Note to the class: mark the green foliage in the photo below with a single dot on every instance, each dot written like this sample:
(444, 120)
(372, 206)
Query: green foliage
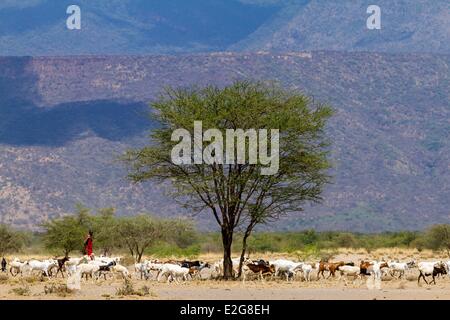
(64, 235)
(167, 250)
(139, 232)
(438, 238)
(104, 225)
(181, 232)
(11, 240)
(238, 194)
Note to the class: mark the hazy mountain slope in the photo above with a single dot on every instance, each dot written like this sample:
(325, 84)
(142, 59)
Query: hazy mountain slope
(64, 121)
(38, 27)
(406, 26)
(127, 27)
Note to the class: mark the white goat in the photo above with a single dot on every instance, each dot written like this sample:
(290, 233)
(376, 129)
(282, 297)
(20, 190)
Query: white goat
(121, 270)
(431, 269)
(349, 271)
(306, 270)
(218, 266)
(88, 269)
(17, 266)
(286, 266)
(173, 272)
(399, 267)
(72, 263)
(42, 266)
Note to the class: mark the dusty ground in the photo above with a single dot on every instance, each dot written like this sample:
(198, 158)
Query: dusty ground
(31, 287)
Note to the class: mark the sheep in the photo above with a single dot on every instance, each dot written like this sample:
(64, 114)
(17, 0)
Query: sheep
(431, 269)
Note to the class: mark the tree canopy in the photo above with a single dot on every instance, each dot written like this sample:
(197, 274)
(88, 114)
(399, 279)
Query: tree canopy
(236, 193)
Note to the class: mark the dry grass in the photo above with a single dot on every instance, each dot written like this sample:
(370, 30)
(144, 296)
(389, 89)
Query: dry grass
(23, 290)
(112, 288)
(60, 290)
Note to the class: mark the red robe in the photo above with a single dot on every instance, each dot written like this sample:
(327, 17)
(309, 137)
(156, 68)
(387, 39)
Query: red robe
(88, 247)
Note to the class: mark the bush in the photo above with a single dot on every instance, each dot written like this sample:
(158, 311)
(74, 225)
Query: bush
(60, 290)
(127, 289)
(24, 290)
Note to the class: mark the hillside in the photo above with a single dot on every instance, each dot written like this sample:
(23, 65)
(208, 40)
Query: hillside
(123, 27)
(64, 121)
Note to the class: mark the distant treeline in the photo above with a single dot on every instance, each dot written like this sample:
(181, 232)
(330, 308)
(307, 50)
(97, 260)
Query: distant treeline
(146, 234)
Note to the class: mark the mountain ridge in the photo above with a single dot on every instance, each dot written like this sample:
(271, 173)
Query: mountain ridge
(38, 27)
(390, 134)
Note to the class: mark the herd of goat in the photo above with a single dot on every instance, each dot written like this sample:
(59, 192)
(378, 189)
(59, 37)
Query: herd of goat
(185, 270)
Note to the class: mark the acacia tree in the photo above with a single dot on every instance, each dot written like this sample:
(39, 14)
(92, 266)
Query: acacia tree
(104, 225)
(65, 234)
(140, 232)
(10, 240)
(437, 237)
(236, 193)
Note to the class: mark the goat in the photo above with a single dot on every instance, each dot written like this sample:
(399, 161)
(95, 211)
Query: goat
(17, 266)
(143, 269)
(72, 264)
(103, 269)
(4, 263)
(306, 270)
(347, 271)
(189, 264)
(284, 266)
(42, 266)
(431, 269)
(194, 271)
(328, 266)
(260, 269)
(87, 269)
(61, 266)
(218, 266)
(173, 272)
(400, 267)
(117, 268)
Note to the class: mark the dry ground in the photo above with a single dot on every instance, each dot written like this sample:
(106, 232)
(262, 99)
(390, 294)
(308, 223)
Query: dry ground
(31, 287)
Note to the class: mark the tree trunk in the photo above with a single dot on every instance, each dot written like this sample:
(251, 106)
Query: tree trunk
(139, 256)
(227, 240)
(244, 249)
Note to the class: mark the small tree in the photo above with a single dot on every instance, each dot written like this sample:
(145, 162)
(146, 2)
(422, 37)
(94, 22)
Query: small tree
(65, 234)
(140, 232)
(182, 232)
(438, 238)
(104, 225)
(10, 240)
